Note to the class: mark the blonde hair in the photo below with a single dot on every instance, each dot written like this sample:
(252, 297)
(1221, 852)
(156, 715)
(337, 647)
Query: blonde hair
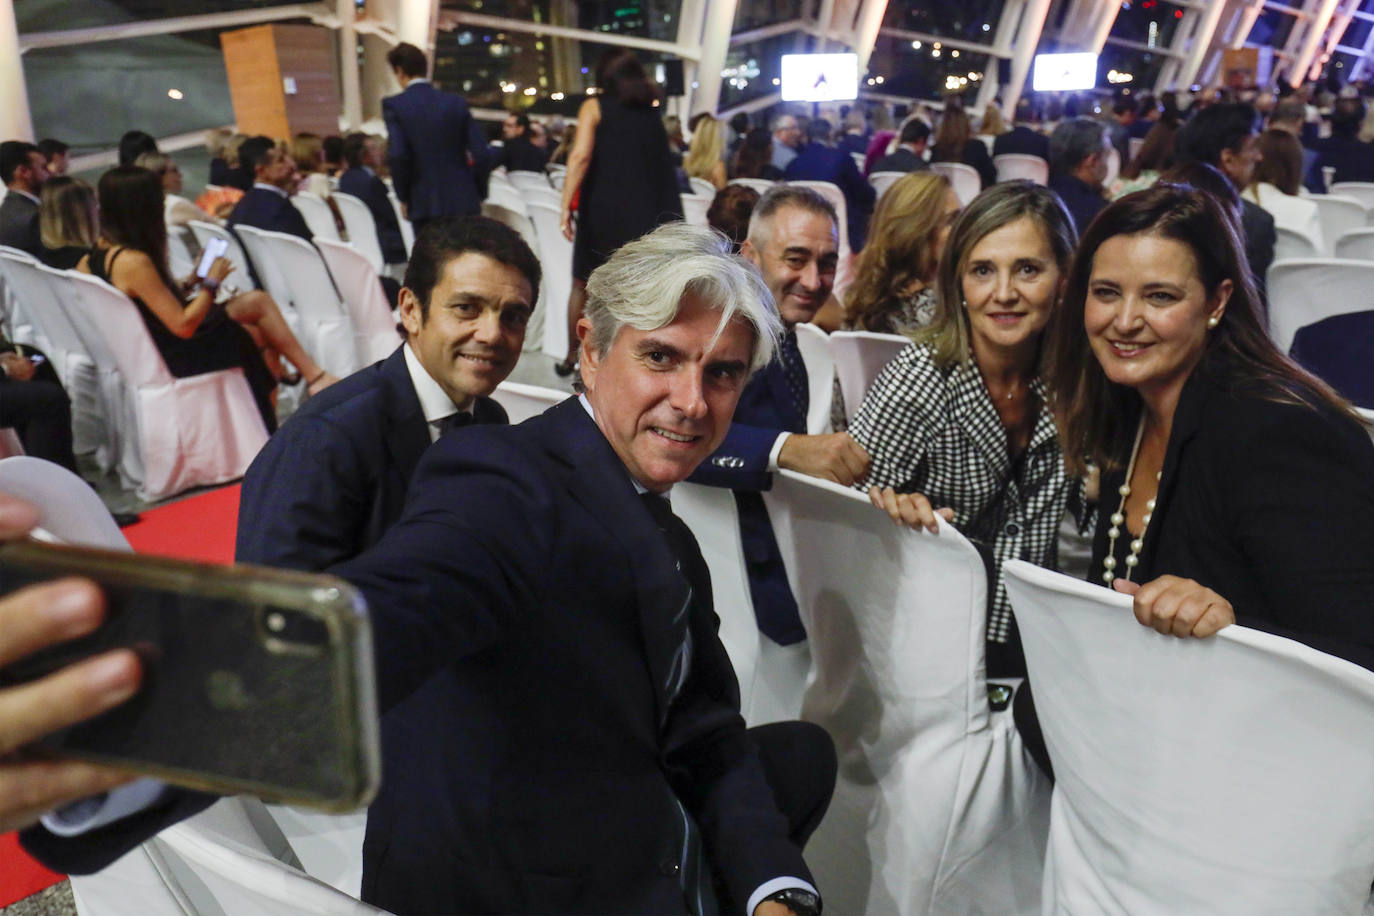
(308, 151)
(900, 250)
(993, 124)
(67, 213)
(216, 139)
(707, 144)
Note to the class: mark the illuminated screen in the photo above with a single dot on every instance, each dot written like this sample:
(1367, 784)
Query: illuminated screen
(820, 77)
(1064, 71)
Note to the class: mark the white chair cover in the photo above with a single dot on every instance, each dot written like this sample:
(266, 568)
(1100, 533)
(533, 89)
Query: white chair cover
(540, 193)
(1224, 775)
(762, 185)
(14, 324)
(317, 214)
(702, 188)
(524, 401)
(814, 345)
(407, 230)
(1012, 166)
(859, 357)
(239, 277)
(859, 159)
(525, 180)
(1113, 166)
(1292, 244)
(555, 257)
(937, 809)
(69, 510)
(1304, 292)
(1356, 245)
(175, 433)
(507, 208)
(1339, 214)
(374, 326)
(270, 274)
(180, 258)
(504, 194)
(964, 178)
(361, 228)
(831, 192)
(10, 446)
(324, 326)
(1363, 191)
(881, 181)
(1133, 146)
(694, 208)
(328, 846)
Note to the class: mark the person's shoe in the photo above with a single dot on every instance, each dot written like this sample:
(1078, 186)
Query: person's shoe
(125, 519)
(565, 368)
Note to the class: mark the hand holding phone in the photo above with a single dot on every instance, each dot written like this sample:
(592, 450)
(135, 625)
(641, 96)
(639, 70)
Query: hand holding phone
(214, 249)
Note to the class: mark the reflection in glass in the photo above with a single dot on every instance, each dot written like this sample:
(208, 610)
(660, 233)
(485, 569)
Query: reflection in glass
(928, 72)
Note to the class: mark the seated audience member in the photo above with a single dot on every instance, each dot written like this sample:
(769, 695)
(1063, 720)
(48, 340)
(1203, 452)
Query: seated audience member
(1276, 182)
(1156, 154)
(54, 155)
(1023, 138)
(1079, 148)
(854, 139)
(730, 211)
(539, 137)
(704, 155)
(787, 137)
(335, 477)
(361, 156)
(820, 161)
(133, 144)
(1125, 114)
(1290, 116)
(959, 423)
(992, 123)
(331, 148)
(501, 680)
(23, 171)
(1235, 468)
(1226, 135)
(267, 205)
(194, 336)
(753, 159)
(518, 152)
(909, 156)
(307, 151)
(954, 142)
(216, 141)
(1149, 112)
(177, 210)
(68, 221)
(239, 176)
(34, 404)
(1352, 158)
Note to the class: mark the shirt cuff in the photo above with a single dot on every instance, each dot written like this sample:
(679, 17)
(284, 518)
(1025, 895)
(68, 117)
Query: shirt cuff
(773, 463)
(99, 810)
(768, 888)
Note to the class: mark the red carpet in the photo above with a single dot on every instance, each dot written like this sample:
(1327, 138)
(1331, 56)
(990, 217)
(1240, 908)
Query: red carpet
(199, 528)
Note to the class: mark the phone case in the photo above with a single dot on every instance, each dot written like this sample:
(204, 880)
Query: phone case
(256, 680)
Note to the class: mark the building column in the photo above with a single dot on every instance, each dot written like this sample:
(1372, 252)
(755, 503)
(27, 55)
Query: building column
(1316, 28)
(715, 44)
(1102, 26)
(415, 23)
(870, 20)
(15, 121)
(350, 84)
(1022, 44)
(691, 19)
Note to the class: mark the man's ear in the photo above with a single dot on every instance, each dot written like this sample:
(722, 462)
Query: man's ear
(590, 360)
(409, 306)
(749, 252)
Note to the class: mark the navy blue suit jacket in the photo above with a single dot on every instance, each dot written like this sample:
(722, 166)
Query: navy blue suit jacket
(1352, 159)
(817, 162)
(268, 210)
(1082, 200)
(900, 160)
(1338, 349)
(19, 224)
(371, 190)
(1023, 140)
(765, 411)
(334, 478)
(429, 140)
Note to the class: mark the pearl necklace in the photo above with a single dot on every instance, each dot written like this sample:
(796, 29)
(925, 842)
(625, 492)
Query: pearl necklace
(1118, 518)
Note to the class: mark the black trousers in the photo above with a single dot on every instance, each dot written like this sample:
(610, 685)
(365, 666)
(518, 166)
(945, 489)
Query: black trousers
(800, 764)
(39, 410)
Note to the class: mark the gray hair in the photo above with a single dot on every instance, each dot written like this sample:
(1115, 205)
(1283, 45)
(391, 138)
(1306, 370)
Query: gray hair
(1073, 141)
(644, 282)
(781, 120)
(780, 196)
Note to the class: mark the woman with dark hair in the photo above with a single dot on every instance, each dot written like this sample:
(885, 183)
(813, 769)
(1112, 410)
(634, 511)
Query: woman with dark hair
(1239, 486)
(192, 333)
(754, 158)
(1156, 155)
(955, 142)
(730, 211)
(620, 174)
(1276, 183)
(960, 419)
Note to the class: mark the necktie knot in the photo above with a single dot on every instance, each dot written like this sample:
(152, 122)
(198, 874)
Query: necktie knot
(453, 421)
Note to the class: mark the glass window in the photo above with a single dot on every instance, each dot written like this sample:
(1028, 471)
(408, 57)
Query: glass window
(752, 69)
(753, 14)
(926, 72)
(1147, 22)
(970, 20)
(1143, 67)
(1271, 28)
(80, 14)
(1357, 33)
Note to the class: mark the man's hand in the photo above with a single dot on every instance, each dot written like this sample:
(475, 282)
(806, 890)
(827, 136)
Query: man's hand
(832, 456)
(910, 509)
(1178, 607)
(16, 367)
(30, 619)
(773, 908)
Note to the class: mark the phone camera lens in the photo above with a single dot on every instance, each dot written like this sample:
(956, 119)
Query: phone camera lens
(293, 629)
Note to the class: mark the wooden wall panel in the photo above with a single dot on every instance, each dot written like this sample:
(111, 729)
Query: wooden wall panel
(260, 58)
(309, 55)
(250, 58)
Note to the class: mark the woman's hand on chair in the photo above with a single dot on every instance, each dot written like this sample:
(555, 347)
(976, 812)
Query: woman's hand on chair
(1179, 607)
(910, 509)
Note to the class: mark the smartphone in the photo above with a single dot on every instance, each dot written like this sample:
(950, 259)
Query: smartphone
(215, 248)
(256, 680)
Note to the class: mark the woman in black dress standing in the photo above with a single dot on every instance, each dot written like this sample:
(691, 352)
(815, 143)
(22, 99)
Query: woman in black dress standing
(620, 175)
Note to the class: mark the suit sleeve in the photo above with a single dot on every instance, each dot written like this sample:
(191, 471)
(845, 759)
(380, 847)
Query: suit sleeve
(294, 223)
(397, 152)
(741, 462)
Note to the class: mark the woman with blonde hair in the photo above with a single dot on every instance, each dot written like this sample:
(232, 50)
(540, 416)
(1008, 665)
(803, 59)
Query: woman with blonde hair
(68, 221)
(308, 151)
(703, 157)
(177, 210)
(993, 124)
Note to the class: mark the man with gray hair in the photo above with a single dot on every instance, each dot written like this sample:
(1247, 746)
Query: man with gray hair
(1079, 150)
(786, 137)
(793, 240)
(561, 726)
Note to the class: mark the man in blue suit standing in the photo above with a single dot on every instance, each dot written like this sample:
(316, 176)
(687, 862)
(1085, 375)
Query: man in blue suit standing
(820, 161)
(434, 159)
(335, 476)
(792, 240)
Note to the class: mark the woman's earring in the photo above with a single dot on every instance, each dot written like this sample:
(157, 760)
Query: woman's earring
(1213, 322)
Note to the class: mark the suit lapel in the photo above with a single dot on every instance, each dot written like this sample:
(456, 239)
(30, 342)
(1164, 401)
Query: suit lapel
(409, 434)
(1187, 422)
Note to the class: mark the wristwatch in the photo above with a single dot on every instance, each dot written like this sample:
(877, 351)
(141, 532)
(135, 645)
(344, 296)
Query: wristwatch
(798, 900)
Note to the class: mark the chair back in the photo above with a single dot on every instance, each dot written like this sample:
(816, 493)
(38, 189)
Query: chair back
(859, 357)
(1013, 166)
(504, 194)
(762, 185)
(374, 328)
(1363, 191)
(1133, 146)
(859, 160)
(936, 809)
(541, 193)
(317, 214)
(881, 181)
(832, 193)
(180, 260)
(1291, 244)
(1195, 775)
(1113, 166)
(268, 270)
(203, 231)
(702, 188)
(524, 181)
(814, 345)
(325, 326)
(361, 228)
(111, 328)
(69, 510)
(407, 230)
(964, 179)
(694, 208)
(524, 401)
(555, 257)
(1338, 215)
(1303, 292)
(36, 298)
(1356, 245)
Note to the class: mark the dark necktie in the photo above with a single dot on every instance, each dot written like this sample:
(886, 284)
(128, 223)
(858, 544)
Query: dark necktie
(453, 421)
(794, 371)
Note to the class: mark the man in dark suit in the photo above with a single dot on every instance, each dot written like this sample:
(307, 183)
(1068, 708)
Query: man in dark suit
(430, 144)
(1078, 164)
(267, 205)
(1344, 151)
(792, 240)
(23, 172)
(335, 476)
(820, 161)
(1023, 138)
(33, 402)
(518, 152)
(909, 156)
(360, 179)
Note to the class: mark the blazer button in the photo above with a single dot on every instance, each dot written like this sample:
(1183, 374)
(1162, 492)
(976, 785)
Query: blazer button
(1012, 529)
(668, 867)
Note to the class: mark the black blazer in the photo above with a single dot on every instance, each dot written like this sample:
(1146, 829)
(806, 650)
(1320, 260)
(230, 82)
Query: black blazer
(371, 190)
(19, 224)
(334, 478)
(1269, 505)
(270, 211)
(428, 147)
(976, 155)
(1023, 140)
(901, 160)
